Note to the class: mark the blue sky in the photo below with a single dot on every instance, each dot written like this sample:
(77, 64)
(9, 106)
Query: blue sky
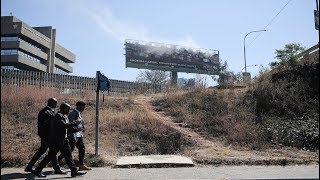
(95, 29)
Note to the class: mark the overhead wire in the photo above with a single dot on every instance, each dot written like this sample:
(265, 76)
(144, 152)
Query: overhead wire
(270, 22)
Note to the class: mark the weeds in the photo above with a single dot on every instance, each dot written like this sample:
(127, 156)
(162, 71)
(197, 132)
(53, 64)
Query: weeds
(279, 109)
(286, 106)
(125, 128)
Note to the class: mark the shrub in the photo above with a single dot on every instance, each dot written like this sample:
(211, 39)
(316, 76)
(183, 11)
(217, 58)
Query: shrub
(286, 105)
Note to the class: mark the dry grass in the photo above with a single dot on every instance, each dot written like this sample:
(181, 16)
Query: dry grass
(235, 137)
(216, 113)
(210, 111)
(128, 129)
(125, 128)
(19, 108)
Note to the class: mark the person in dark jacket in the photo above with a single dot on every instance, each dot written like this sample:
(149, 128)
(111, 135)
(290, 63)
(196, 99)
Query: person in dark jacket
(44, 118)
(58, 141)
(76, 136)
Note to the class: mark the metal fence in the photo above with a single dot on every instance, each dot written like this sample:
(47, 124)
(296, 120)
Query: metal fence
(72, 84)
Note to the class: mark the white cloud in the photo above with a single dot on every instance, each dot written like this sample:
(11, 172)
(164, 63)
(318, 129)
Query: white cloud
(121, 29)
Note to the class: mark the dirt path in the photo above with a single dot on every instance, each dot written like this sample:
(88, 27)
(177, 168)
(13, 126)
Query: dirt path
(214, 152)
(187, 132)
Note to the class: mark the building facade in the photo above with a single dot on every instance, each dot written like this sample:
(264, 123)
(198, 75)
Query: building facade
(32, 48)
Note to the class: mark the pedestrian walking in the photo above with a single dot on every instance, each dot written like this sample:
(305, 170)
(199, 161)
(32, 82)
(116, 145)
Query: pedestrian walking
(76, 136)
(58, 141)
(45, 116)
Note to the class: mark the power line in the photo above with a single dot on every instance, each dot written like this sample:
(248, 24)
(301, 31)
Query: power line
(270, 21)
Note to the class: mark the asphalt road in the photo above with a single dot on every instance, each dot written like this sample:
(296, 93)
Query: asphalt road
(221, 172)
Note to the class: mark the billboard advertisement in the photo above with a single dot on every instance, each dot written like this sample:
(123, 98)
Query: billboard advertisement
(167, 57)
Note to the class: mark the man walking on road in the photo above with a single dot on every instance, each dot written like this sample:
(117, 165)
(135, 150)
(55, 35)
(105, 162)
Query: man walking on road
(76, 136)
(45, 116)
(58, 141)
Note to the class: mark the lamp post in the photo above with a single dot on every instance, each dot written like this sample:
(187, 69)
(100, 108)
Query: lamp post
(249, 66)
(245, 75)
(244, 48)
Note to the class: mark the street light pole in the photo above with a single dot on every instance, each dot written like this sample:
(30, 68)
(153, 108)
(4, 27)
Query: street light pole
(249, 66)
(244, 48)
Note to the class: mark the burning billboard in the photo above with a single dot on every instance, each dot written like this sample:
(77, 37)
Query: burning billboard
(167, 57)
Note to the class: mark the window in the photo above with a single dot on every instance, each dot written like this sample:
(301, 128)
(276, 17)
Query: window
(18, 39)
(8, 67)
(60, 71)
(15, 52)
(9, 38)
(9, 52)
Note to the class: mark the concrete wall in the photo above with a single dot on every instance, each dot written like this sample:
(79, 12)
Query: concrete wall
(70, 57)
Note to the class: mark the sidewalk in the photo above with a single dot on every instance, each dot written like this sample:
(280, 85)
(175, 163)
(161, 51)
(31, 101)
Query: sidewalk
(222, 172)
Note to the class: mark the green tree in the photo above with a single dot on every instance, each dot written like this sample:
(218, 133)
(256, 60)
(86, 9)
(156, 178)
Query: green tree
(287, 55)
(225, 76)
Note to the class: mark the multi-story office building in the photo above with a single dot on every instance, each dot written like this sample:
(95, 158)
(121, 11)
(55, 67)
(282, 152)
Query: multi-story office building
(32, 48)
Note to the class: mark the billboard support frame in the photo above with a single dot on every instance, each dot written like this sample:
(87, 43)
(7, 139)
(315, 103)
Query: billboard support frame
(174, 78)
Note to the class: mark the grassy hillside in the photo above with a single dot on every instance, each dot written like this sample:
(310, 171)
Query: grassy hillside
(125, 128)
(239, 125)
(285, 103)
(280, 109)
(213, 113)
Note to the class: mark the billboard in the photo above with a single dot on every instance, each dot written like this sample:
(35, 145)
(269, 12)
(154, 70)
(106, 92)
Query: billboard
(167, 57)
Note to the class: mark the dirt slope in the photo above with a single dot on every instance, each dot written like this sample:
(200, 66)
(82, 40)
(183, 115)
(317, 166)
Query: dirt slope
(213, 151)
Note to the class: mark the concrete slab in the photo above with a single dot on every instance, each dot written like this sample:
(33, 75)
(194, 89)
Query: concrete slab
(154, 161)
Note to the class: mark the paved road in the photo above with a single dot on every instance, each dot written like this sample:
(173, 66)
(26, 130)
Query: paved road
(223, 172)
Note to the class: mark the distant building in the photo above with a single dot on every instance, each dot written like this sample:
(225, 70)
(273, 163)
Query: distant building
(32, 48)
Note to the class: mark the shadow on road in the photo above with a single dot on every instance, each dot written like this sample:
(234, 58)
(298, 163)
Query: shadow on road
(27, 176)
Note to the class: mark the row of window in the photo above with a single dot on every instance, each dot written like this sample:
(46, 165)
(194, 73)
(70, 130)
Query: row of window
(19, 39)
(9, 67)
(9, 38)
(57, 70)
(33, 46)
(60, 71)
(16, 52)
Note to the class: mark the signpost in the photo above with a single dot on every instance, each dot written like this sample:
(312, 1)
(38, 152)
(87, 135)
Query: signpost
(103, 84)
(97, 114)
